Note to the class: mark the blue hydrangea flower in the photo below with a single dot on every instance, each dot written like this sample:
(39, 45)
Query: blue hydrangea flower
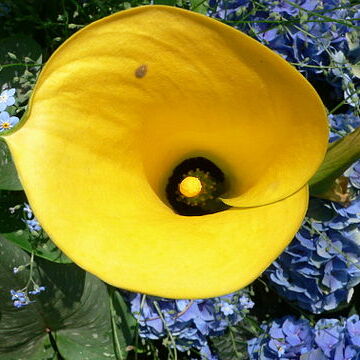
(7, 99)
(353, 330)
(355, 175)
(190, 322)
(6, 121)
(317, 47)
(321, 266)
(285, 338)
(328, 334)
(289, 338)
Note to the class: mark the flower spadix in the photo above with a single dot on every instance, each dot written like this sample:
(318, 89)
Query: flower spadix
(130, 97)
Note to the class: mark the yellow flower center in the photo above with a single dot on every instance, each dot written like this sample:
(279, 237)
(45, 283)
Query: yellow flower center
(190, 186)
(5, 125)
(3, 97)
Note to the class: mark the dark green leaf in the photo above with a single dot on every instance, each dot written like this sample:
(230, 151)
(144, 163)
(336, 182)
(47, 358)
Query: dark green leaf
(45, 249)
(74, 309)
(340, 155)
(124, 320)
(9, 179)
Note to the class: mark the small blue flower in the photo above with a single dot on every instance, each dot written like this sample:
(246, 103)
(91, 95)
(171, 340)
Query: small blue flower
(19, 298)
(18, 269)
(37, 290)
(33, 225)
(227, 309)
(7, 99)
(30, 220)
(246, 302)
(6, 121)
(28, 211)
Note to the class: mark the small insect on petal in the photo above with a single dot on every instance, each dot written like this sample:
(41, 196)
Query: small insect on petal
(141, 71)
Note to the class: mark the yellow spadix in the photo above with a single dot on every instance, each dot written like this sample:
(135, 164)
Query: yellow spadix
(191, 186)
(125, 100)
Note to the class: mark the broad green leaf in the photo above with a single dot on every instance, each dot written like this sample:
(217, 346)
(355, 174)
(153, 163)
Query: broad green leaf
(125, 320)
(9, 179)
(45, 249)
(340, 155)
(74, 309)
(200, 6)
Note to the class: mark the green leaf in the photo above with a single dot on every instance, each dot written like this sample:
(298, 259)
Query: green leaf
(233, 344)
(121, 319)
(340, 155)
(9, 179)
(230, 346)
(45, 249)
(74, 309)
(200, 6)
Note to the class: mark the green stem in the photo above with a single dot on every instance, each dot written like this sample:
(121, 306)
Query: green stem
(340, 252)
(343, 102)
(322, 16)
(277, 22)
(30, 270)
(4, 66)
(118, 351)
(318, 66)
(234, 343)
(167, 329)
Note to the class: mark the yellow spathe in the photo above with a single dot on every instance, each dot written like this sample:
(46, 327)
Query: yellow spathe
(124, 101)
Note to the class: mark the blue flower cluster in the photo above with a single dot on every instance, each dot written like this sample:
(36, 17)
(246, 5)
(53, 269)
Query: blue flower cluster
(30, 220)
(317, 36)
(21, 298)
(7, 99)
(321, 266)
(189, 322)
(291, 338)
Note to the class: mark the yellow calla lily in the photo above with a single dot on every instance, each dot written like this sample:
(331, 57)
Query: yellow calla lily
(126, 100)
